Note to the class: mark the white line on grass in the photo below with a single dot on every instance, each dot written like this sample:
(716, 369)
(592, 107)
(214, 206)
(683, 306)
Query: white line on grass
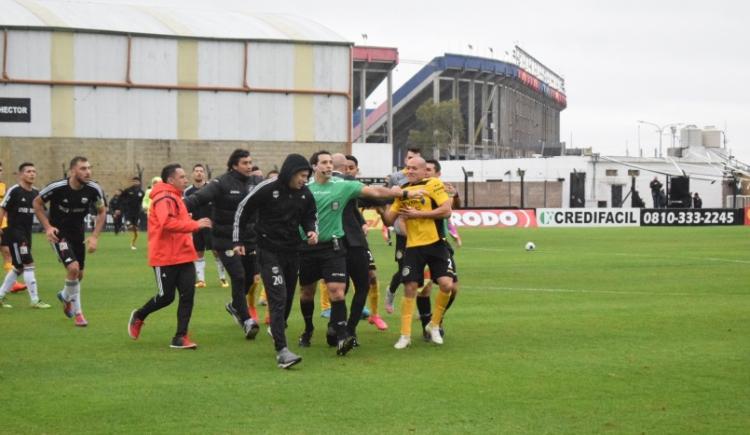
(620, 254)
(609, 292)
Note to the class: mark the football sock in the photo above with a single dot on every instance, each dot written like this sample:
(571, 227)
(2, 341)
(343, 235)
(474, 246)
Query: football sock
(441, 301)
(325, 302)
(30, 279)
(10, 279)
(373, 296)
(307, 308)
(220, 268)
(425, 310)
(134, 238)
(200, 269)
(407, 310)
(72, 293)
(338, 318)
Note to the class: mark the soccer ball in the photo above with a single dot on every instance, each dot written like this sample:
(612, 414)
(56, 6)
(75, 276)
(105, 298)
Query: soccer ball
(530, 246)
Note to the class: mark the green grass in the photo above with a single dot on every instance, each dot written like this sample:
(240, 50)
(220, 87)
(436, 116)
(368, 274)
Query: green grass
(637, 330)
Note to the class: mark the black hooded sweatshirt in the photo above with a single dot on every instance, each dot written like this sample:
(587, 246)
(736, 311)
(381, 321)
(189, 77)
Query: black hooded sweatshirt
(280, 210)
(225, 193)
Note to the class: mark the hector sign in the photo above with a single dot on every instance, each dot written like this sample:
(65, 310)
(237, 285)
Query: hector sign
(15, 110)
(494, 218)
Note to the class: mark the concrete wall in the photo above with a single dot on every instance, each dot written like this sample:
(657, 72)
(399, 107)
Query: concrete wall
(505, 194)
(114, 160)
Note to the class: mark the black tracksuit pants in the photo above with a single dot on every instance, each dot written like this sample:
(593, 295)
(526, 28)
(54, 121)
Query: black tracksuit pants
(279, 272)
(241, 270)
(179, 277)
(358, 269)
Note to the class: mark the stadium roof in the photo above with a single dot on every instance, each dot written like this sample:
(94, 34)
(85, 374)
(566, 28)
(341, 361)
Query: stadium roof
(203, 20)
(378, 62)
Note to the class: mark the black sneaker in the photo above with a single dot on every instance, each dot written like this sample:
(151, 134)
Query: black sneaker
(331, 337)
(251, 329)
(285, 358)
(232, 312)
(344, 346)
(356, 342)
(304, 339)
(183, 342)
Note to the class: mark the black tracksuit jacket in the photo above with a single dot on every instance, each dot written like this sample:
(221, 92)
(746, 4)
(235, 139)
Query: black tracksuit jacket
(278, 210)
(225, 192)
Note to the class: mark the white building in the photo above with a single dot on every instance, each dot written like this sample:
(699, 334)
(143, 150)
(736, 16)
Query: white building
(153, 83)
(604, 181)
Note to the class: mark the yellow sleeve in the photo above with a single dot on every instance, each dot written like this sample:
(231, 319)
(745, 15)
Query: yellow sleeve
(396, 206)
(437, 192)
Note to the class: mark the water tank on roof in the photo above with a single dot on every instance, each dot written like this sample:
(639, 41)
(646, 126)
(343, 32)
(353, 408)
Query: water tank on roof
(711, 137)
(691, 137)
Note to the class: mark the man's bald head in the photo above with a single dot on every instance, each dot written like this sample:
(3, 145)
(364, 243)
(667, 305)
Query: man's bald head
(339, 162)
(416, 169)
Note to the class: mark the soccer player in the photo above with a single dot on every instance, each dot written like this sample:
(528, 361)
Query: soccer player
(171, 254)
(281, 207)
(425, 245)
(432, 169)
(225, 194)
(146, 204)
(18, 206)
(70, 201)
(116, 211)
(351, 169)
(202, 238)
(7, 261)
(398, 178)
(131, 201)
(327, 260)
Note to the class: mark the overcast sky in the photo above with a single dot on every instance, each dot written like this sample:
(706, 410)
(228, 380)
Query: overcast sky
(660, 61)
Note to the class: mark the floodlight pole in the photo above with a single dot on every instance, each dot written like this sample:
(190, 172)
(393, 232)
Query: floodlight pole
(660, 129)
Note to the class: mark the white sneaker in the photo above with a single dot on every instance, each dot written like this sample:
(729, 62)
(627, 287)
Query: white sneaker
(434, 332)
(403, 342)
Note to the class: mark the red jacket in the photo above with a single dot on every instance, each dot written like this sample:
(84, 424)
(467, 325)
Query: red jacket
(170, 228)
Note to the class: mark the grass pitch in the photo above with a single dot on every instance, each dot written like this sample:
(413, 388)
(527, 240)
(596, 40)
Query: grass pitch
(632, 330)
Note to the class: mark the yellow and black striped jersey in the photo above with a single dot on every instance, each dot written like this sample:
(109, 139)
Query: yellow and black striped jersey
(423, 231)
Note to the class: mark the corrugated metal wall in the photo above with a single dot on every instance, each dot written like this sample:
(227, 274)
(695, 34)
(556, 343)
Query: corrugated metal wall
(108, 112)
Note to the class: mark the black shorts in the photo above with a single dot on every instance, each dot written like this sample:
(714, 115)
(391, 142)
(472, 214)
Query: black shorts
(19, 245)
(70, 252)
(436, 256)
(400, 248)
(202, 240)
(132, 220)
(325, 264)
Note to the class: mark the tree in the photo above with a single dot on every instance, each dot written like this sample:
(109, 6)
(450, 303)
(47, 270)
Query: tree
(438, 126)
